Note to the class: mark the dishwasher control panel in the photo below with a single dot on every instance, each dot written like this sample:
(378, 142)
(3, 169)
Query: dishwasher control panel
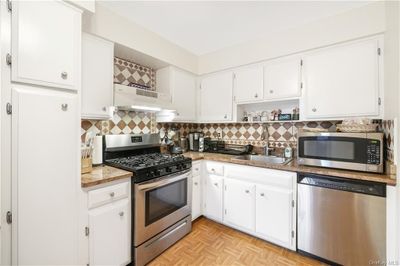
(337, 183)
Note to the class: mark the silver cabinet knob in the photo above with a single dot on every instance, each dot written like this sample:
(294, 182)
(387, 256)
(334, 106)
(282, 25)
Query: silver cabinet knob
(212, 170)
(121, 214)
(314, 109)
(104, 109)
(64, 106)
(216, 184)
(225, 116)
(262, 194)
(247, 191)
(271, 91)
(112, 194)
(256, 95)
(195, 183)
(197, 169)
(177, 114)
(64, 75)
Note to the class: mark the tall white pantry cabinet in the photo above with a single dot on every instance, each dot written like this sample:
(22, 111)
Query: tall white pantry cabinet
(44, 61)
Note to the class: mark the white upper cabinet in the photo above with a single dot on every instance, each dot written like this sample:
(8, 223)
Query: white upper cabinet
(249, 84)
(216, 98)
(282, 78)
(182, 87)
(239, 197)
(97, 77)
(342, 81)
(46, 43)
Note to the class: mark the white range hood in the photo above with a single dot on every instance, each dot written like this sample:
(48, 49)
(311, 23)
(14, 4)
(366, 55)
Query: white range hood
(132, 98)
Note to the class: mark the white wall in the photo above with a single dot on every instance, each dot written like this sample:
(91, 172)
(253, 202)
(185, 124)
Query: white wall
(115, 28)
(360, 22)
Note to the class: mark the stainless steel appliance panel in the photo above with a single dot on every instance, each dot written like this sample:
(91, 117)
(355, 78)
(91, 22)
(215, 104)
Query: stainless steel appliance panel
(159, 203)
(352, 151)
(157, 244)
(344, 227)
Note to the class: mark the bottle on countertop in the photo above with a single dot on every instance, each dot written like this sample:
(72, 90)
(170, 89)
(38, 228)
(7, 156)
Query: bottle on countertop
(288, 152)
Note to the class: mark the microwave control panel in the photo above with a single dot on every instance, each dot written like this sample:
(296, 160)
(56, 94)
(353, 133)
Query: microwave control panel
(373, 151)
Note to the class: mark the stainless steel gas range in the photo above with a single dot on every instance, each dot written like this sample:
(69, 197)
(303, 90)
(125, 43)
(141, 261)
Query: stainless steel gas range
(161, 192)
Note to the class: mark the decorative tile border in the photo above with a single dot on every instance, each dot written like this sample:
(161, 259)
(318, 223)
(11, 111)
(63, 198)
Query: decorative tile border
(127, 72)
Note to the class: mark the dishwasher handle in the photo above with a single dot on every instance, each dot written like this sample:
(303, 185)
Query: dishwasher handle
(344, 184)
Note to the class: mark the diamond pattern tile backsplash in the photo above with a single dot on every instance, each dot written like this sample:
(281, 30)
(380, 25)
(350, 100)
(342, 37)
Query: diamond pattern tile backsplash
(280, 134)
(123, 122)
(127, 73)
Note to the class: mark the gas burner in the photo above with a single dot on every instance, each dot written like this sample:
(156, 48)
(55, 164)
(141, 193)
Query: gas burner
(152, 165)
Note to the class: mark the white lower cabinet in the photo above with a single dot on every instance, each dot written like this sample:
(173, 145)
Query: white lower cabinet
(109, 224)
(196, 197)
(274, 212)
(213, 197)
(258, 201)
(109, 239)
(239, 203)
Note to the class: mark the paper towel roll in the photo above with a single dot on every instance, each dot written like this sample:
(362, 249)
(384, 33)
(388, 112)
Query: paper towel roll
(97, 150)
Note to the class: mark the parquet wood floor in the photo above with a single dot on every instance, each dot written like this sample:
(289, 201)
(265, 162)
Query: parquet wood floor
(211, 243)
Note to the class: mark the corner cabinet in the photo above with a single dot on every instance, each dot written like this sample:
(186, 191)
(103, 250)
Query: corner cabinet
(216, 98)
(46, 43)
(97, 77)
(343, 80)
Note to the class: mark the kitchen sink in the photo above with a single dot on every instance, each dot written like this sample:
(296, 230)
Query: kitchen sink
(266, 159)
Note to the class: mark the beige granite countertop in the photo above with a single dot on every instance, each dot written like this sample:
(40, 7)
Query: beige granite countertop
(294, 167)
(103, 174)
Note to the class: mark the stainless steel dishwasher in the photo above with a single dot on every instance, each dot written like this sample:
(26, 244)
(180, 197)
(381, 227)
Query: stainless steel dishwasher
(340, 220)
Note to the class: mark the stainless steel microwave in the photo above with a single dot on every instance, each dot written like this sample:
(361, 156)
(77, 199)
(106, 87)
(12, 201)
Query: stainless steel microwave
(352, 151)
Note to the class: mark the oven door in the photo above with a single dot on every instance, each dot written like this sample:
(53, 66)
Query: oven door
(160, 203)
(339, 150)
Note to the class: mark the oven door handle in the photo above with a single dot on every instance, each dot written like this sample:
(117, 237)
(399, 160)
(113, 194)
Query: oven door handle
(161, 183)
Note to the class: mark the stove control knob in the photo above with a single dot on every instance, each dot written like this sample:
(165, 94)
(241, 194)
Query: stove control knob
(157, 172)
(168, 169)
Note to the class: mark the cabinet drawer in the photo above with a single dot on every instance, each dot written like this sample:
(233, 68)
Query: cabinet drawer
(105, 195)
(196, 169)
(215, 168)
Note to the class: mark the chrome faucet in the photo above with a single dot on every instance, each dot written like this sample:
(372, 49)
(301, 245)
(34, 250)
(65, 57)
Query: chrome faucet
(267, 150)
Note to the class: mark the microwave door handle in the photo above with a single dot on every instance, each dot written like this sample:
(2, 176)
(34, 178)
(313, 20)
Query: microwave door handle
(161, 183)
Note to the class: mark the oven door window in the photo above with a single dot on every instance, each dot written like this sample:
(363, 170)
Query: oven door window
(334, 149)
(164, 200)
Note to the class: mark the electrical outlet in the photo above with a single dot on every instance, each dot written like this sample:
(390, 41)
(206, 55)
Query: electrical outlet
(219, 135)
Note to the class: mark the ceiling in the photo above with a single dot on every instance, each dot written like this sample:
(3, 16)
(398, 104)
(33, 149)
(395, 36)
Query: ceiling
(202, 27)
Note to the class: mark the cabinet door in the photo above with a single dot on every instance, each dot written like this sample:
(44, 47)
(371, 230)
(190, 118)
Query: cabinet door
(274, 214)
(110, 234)
(282, 78)
(342, 81)
(46, 43)
(216, 97)
(213, 197)
(45, 181)
(239, 203)
(97, 77)
(196, 197)
(249, 84)
(184, 95)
